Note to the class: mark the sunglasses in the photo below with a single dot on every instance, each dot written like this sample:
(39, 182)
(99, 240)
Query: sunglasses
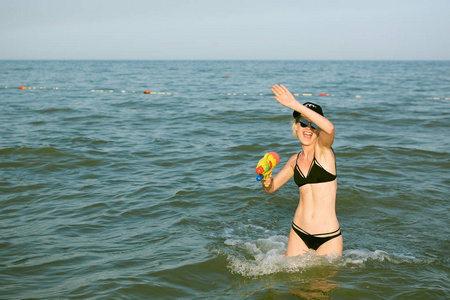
(305, 123)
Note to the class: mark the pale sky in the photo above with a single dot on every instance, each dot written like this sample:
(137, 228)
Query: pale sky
(226, 29)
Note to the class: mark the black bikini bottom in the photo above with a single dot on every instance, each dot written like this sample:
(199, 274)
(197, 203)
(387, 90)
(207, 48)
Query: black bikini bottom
(314, 241)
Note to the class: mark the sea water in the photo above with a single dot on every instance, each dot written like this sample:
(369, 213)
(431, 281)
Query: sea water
(107, 192)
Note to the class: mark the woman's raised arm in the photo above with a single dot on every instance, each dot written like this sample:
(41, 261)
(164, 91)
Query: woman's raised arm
(285, 98)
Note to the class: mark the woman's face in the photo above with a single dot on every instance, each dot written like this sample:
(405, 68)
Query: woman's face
(305, 132)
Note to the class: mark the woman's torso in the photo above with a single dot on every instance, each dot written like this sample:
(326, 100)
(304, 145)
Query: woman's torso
(318, 185)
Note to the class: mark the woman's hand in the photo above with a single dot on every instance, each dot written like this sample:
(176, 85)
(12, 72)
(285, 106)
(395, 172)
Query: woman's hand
(266, 183)
(283, 96)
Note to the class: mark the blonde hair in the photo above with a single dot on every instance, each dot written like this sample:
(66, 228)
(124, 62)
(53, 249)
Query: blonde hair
(295, 121)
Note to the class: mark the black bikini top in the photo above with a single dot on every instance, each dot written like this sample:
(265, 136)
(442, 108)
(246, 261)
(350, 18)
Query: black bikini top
(316, 174)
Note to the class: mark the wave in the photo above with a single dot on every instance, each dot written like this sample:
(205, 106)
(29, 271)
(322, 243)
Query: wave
(33, 151)
(55, 110)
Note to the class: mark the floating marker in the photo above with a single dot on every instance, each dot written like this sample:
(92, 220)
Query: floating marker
(147, 92)
(323, 94)
(358, 96)
(306, 94)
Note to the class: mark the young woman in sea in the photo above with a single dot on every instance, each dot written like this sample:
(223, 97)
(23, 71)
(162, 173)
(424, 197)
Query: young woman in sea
(315, 225)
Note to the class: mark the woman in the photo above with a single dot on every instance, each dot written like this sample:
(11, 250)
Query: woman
(315, 225)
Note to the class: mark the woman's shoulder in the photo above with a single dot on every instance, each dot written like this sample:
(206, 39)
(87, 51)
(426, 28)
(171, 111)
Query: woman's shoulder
(293, 160)
(325, 154)
(295, 155)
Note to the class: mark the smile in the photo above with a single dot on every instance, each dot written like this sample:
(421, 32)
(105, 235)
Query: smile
(307, 134)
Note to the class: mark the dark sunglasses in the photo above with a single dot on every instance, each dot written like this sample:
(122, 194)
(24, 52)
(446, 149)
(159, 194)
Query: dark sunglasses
(305, 123)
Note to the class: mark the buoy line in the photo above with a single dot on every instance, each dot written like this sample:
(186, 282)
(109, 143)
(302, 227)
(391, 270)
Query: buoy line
(148, 92)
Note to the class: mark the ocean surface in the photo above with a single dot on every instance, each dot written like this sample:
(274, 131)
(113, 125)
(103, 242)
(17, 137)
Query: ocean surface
(110, 193)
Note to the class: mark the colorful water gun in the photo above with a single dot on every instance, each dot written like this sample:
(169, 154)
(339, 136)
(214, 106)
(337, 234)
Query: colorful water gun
(266, 165)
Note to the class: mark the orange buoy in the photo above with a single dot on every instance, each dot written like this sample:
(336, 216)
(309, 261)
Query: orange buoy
(147, 92)
(323, 94)
(226, 75)
(22, 87)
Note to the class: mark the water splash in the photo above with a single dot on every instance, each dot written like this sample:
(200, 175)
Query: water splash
(360, 258)
(264, 256)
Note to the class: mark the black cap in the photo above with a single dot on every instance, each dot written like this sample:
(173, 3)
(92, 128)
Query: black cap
(311, 106)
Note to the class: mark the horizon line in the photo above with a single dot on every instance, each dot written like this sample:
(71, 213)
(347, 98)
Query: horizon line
(206, 59)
